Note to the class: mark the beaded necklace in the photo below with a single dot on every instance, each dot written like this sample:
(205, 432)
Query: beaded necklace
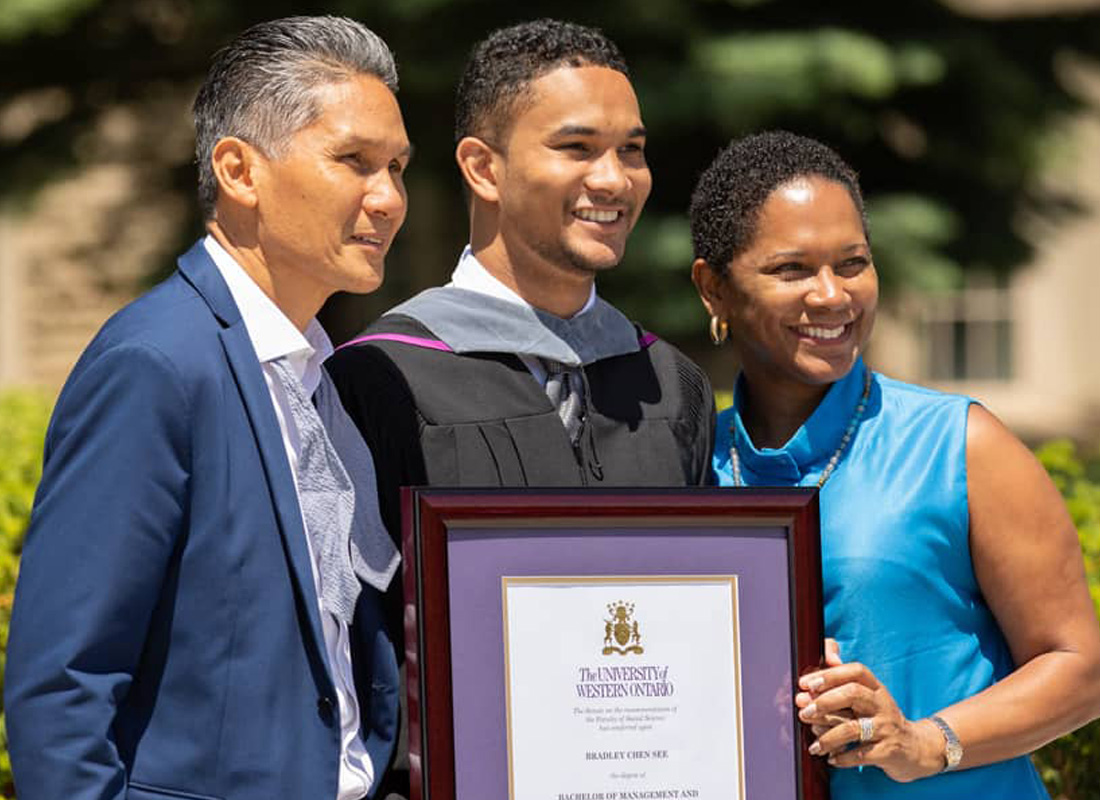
(735, 460)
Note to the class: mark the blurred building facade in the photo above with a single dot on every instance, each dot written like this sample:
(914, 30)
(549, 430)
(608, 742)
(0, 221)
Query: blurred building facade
(87, 242)
(59, 280)
(1024, 347)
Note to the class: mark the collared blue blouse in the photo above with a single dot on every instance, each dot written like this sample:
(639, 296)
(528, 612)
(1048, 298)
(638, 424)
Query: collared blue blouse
(899, 586)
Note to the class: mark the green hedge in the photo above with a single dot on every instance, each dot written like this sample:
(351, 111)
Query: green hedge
(23, 417)
(1069, 766)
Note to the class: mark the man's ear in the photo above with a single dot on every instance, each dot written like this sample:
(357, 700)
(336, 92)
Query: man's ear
(235, 161)
(479, 165)
(711, 287)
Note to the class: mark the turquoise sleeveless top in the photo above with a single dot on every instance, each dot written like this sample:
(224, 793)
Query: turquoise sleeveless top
(899, 587)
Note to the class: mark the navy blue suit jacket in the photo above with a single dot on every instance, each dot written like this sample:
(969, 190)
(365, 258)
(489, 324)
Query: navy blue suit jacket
(166, 640)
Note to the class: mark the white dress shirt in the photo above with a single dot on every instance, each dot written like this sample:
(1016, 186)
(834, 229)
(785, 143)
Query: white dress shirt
(274, 336)
(470, 274)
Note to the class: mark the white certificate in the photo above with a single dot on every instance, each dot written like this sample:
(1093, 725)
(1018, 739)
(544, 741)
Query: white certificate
(623, 688)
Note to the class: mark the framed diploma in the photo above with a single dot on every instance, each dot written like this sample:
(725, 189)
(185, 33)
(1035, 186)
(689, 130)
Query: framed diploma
(632, 644)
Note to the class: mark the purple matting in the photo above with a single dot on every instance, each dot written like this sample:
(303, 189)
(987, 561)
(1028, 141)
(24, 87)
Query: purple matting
(478, 558)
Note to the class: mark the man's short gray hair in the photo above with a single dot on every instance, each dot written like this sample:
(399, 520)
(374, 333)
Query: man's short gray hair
(261, 87)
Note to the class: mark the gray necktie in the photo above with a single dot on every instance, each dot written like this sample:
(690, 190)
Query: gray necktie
(565, 388)
(345, 529)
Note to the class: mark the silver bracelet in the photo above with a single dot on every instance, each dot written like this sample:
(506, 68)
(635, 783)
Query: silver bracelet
(953, 753)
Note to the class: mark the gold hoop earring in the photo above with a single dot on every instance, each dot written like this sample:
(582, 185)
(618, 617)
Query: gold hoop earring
(719, 330)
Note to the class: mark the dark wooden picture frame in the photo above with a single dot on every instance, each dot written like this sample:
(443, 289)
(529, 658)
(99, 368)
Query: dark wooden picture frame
(432, 516)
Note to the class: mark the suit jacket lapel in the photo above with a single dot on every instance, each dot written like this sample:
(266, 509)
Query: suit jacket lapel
(197, 267)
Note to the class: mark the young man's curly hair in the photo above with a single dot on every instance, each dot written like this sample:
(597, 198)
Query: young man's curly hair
(501, 68)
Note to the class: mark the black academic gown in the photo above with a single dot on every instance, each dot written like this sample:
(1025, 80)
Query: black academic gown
(433, 417)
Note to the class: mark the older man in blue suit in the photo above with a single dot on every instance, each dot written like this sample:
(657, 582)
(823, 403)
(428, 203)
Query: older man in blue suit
(198, 613)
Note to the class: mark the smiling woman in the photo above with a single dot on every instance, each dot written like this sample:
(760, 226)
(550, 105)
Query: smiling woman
(961, 631)
(800, 298)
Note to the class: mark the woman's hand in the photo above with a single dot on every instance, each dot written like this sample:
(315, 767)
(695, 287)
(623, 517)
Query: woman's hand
(857, 723)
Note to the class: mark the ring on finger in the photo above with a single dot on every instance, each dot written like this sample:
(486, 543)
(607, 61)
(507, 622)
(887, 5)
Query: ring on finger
(866, 729)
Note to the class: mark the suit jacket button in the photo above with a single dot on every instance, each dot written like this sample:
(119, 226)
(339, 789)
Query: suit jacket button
(325, 709)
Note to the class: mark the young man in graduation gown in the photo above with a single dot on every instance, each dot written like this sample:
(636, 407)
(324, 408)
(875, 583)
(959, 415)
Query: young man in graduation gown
(516, 373)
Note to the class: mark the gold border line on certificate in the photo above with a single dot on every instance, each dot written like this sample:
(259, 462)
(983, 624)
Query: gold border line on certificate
(507, 684)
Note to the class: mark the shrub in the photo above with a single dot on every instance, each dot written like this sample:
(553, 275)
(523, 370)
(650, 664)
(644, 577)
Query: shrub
(1070, 766)
(23, 418)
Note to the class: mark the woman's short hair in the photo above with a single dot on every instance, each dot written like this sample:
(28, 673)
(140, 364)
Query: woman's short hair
(261, 87)
(726, 203)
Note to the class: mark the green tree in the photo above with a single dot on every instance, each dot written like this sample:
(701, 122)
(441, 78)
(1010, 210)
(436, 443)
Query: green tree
(949, 118)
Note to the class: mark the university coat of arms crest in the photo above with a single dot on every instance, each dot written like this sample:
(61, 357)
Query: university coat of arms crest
(620, 633)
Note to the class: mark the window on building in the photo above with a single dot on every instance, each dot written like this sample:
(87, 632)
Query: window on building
(967, 335)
